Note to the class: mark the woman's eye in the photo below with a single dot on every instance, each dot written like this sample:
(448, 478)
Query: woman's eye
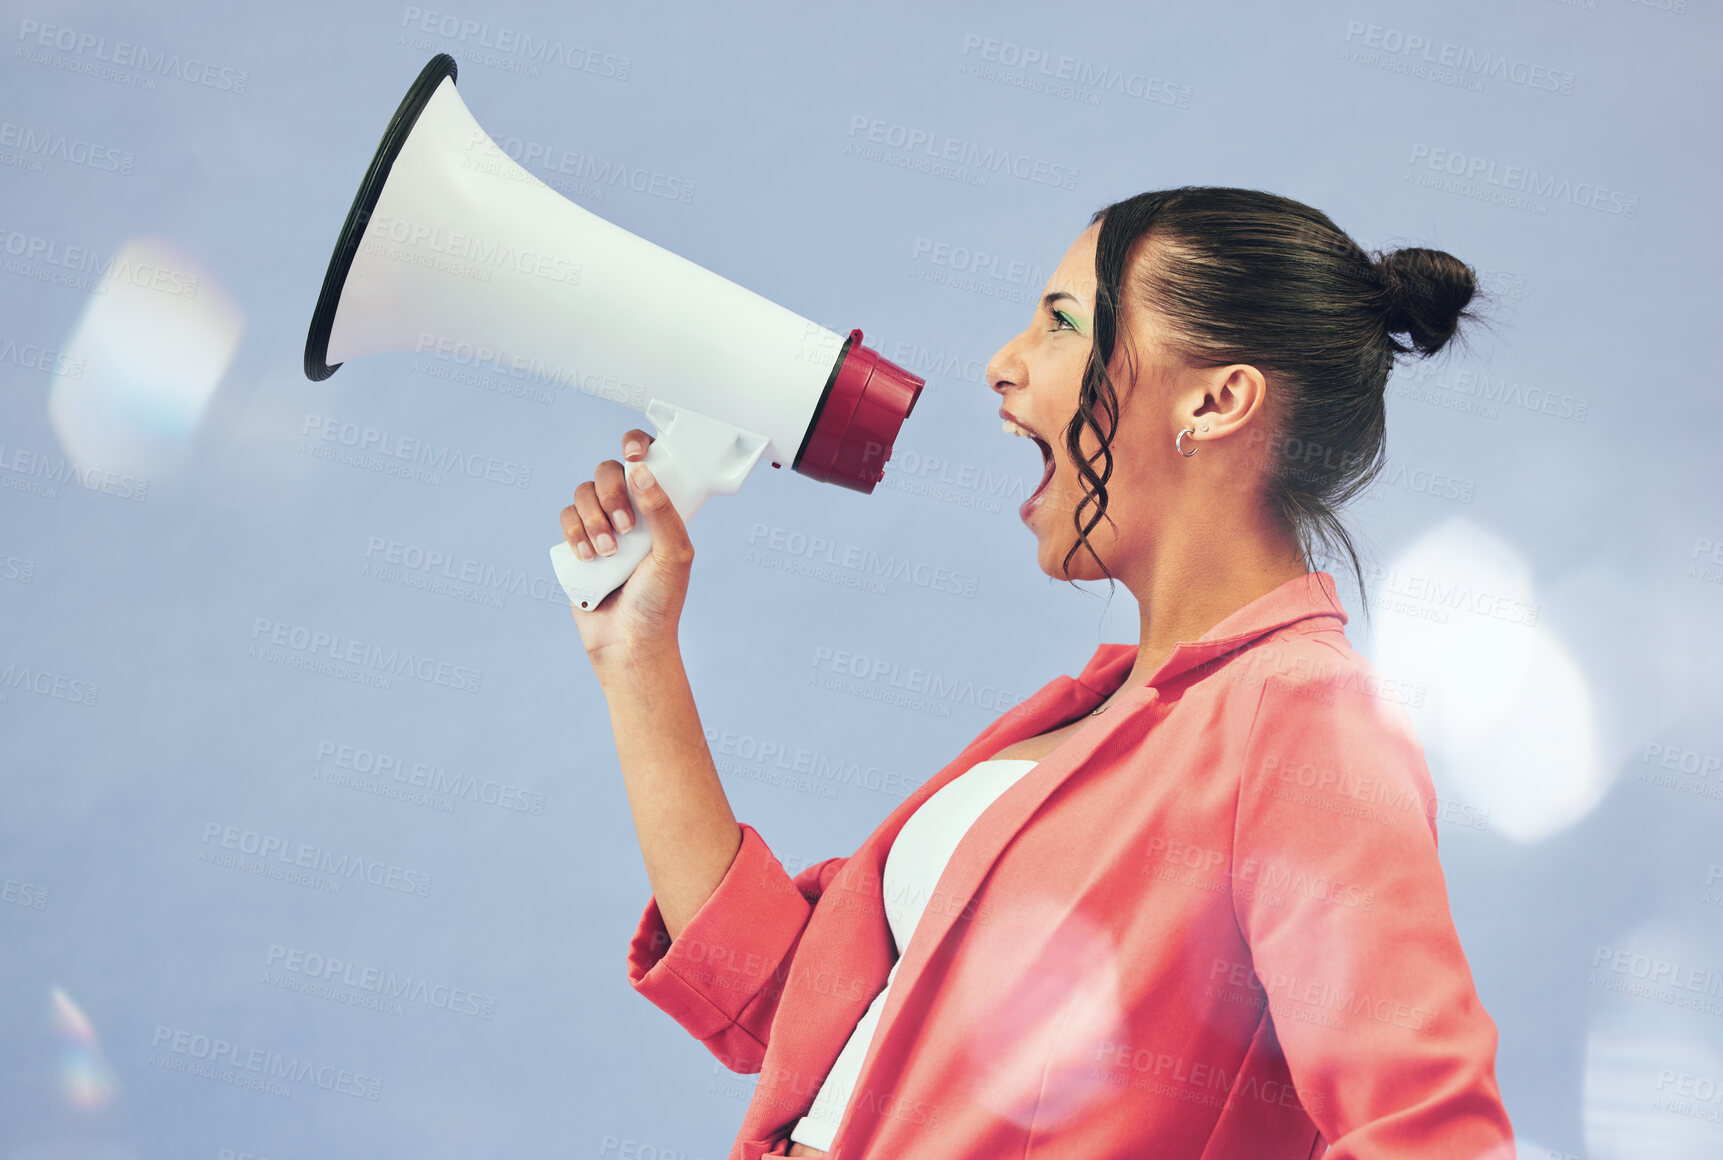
(1059, 316)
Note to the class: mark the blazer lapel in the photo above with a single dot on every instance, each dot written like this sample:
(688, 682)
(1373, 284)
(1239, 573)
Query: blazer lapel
(1056, 702)
(987, 838)
(847, 952)
(848, 938)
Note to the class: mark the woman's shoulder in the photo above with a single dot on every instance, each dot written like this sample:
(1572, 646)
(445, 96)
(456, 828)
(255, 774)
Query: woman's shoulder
(1314, 662)
(1309, 678)
(1328, 738)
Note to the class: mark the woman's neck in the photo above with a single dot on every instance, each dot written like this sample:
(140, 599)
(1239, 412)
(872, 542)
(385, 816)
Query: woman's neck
(1182, 594)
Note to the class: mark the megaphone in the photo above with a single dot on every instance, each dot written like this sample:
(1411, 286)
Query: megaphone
(451, 245)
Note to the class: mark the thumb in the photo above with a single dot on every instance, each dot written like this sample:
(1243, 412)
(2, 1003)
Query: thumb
(669, 534)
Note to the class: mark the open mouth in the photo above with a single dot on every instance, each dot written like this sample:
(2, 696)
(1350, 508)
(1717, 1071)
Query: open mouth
(1014, 427)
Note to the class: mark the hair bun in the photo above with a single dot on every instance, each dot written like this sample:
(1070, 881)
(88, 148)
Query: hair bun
(1424, 295)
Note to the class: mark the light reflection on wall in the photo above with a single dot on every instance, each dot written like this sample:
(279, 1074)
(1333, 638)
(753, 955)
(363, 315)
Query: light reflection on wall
(154, 341)
(1508, 720)
(1649, 660)
(86, 1081)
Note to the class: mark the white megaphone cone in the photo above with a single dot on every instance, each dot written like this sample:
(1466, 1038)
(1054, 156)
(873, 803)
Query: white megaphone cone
(450, 246)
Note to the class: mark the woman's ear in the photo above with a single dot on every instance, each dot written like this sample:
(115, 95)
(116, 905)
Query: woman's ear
(1222, 401)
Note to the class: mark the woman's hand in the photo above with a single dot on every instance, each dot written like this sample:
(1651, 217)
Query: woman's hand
(644, 612)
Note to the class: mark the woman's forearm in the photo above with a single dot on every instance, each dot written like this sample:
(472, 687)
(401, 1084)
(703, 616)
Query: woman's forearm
(688, 834)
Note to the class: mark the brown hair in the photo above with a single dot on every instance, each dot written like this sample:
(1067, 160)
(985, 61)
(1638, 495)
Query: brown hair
(1242, 276)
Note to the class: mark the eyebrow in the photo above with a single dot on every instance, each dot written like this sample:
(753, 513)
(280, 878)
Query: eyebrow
(1049, 299)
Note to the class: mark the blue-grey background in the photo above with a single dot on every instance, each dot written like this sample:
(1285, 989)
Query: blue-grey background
(1543, 562)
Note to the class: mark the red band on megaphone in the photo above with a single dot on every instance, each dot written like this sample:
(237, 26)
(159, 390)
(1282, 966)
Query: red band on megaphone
(850, 439)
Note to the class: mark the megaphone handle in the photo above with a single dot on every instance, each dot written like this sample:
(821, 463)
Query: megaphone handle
(693, 458)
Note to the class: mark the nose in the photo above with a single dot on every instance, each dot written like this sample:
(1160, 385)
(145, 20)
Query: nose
(1006, 368)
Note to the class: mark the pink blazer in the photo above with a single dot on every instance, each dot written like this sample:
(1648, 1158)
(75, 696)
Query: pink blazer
(1211, 924)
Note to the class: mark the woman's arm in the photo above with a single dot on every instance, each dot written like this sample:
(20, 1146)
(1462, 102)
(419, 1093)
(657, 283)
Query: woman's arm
(687, 831)
(715, 944)
(1341, 897)
(688, 836)
(725, 919)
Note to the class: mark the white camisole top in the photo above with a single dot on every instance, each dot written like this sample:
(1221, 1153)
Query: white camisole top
(917, 858)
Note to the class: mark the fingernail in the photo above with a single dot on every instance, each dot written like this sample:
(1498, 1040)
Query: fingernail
(642, 477)
(605, 544)
(583, 550)
(623, 521)
(631, 449)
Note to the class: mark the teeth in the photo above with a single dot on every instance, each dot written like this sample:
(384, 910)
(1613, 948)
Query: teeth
(1011, 428)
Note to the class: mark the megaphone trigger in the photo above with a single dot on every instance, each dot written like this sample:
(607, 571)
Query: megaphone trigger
(693, 457)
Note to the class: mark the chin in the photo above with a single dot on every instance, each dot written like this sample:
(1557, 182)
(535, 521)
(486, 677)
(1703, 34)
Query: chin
(1050, 553)
(1055, 536)
(1049, 557)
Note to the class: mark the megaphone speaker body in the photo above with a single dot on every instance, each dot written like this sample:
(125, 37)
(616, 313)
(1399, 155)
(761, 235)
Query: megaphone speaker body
(453, 247)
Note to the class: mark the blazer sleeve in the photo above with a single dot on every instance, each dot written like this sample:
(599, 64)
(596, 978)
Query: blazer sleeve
(721, 978)
(1341, 897)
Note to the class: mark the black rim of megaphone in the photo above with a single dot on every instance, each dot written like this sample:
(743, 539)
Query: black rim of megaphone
(317, 366)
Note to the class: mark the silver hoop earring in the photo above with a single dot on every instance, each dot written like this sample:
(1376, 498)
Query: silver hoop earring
(1178, 442)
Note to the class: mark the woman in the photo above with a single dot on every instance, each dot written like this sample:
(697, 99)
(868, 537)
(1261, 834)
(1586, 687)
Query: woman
(1186, 904)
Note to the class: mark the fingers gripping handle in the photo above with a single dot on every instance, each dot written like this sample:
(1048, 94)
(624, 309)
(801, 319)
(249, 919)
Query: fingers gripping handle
(694, 456)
